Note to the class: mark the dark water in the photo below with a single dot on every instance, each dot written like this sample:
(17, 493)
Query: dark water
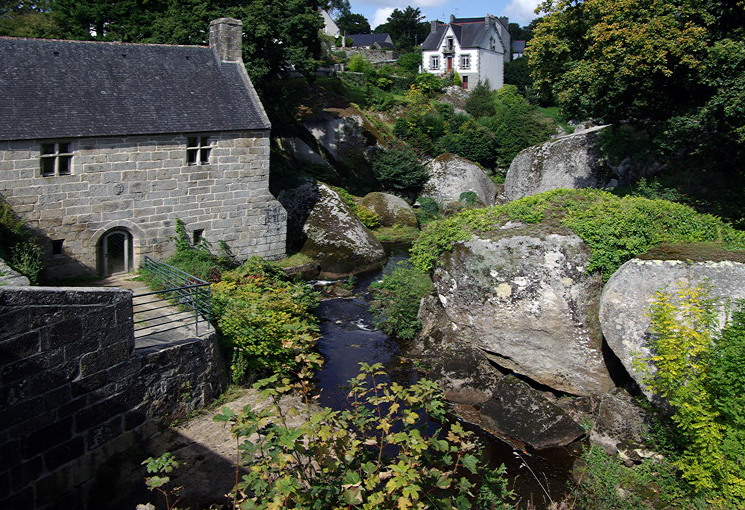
(349, 336)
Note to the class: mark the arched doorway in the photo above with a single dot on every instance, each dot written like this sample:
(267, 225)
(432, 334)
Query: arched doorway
(116, 252)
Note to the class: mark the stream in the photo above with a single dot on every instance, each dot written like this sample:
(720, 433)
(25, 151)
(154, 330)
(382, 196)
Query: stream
(349, 336)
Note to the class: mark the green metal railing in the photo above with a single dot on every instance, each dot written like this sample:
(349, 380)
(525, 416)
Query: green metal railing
(188, 293)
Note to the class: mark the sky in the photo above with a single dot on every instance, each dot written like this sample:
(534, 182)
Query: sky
(377, 11)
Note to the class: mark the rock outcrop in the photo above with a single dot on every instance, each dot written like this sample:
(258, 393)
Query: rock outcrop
(628, 295)
(571, 161)
(619, 424)
(329, 232)
(391, 210)
(9, 276)
(452, 175)
(524, 299)
(482, 395)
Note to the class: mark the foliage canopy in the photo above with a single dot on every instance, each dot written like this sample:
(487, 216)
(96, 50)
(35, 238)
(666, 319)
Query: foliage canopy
(678, 65)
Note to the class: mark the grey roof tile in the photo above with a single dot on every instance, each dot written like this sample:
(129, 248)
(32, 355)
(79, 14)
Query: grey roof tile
(68, 89)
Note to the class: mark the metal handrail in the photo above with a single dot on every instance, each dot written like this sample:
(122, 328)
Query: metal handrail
(183, 289)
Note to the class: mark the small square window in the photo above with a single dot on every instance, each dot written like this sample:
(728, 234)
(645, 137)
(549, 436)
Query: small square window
(198, 150)
(56, 159)
(198, 236)
(57, 247)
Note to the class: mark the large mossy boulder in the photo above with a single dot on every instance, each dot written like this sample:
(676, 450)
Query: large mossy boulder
(391, 210)
(326, 230)
(452, 175)
(523, 298)
(627, 297)
(571, 161)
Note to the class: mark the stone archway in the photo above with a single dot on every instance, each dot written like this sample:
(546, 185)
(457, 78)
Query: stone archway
(116, 252)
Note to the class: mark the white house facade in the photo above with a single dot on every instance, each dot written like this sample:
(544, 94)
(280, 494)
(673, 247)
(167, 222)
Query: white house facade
(475, 48)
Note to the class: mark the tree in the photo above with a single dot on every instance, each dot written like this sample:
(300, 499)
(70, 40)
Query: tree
(126, 20)
(353, 24)
(337, 8)
(518, 33)
(517, 73)
(405, 27)
(27, 19)
(399, 169)
(676, 66)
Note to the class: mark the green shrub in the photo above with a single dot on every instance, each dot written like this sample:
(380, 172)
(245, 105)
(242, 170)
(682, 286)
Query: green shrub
(427, 211)
(471, 141)
(265, 319)
(480, 102)
(616, 228)
(399, 295)
(655, 191)
(604, 482)
(700, 374)
(17, 247)
(359, 64)
(27, 258)
(516, 124)
(399, 169)
(368, 217)
(374, 455)
(428, 83)
(197, 260)
(410, 62)
(469, 199)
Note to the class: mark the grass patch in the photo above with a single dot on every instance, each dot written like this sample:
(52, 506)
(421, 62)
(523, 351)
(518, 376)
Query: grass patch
(694, 252)
(396, 234)
(298, 259)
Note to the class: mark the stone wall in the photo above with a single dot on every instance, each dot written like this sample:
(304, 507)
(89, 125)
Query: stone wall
(74, 392)
(370, 54)
(142, 184)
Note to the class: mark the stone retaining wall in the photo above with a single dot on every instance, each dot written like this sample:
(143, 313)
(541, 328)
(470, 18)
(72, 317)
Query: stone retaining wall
(73, 391)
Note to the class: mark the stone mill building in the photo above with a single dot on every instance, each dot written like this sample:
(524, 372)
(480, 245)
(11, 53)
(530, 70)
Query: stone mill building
(103, 146)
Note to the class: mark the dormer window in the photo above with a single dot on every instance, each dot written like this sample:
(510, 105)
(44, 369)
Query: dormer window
(198, 150)
(434, 62)
(56, 159)
(449, 45)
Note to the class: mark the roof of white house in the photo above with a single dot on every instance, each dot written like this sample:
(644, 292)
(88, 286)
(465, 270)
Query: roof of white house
(469, 33)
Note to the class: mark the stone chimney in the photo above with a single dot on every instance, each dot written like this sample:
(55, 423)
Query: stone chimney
(452, 18)
(226, 39)
(433, 25)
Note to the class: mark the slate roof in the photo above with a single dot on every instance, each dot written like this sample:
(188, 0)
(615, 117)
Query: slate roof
(69, 89)
(518, 46)
(370, 39)
(469, 32)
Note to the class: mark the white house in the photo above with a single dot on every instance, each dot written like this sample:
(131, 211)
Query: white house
(329, 25)
(475, 48)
